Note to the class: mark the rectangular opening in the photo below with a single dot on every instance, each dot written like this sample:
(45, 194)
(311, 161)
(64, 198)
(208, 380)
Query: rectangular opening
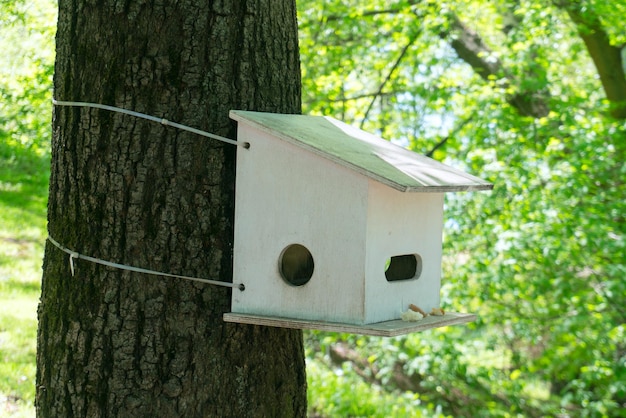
(403, 267)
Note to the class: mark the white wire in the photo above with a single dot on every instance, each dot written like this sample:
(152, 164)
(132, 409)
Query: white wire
(77, 256)
(153, 119)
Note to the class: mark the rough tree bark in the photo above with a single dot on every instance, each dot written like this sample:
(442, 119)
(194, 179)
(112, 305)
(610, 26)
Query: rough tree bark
(113, 343)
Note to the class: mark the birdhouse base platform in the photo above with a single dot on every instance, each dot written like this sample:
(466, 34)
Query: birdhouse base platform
(381, 329)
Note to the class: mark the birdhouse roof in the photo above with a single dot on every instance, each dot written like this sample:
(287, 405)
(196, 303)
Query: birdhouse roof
(362, 152)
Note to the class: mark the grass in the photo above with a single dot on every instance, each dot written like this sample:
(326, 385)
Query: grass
(23, 191)
(18, 329)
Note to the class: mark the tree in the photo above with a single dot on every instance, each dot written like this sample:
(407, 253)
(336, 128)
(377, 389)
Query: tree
(530, 95)
(119, 343)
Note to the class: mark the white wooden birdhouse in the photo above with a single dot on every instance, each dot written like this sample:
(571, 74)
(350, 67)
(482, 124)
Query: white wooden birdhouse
(335, 228)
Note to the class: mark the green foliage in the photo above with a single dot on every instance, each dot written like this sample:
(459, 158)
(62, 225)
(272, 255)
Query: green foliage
(26, 39)
(27, 30)
(541, 258)
(25, 111)
(339, 392)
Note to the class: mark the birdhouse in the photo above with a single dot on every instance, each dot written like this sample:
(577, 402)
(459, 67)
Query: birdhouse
(337, 229)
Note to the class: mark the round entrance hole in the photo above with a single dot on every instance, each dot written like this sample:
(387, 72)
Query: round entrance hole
(296, 265)
(403, 267)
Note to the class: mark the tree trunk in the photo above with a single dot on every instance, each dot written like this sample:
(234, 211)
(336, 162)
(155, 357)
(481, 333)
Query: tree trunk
(606, 57)
(470, 47)
(113, 343)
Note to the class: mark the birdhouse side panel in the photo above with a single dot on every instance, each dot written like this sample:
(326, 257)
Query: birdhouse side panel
(287, 197)
(403, 252)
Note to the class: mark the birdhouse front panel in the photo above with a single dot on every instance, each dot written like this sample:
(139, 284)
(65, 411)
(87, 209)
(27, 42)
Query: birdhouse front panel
(403, 252)
(288, 202)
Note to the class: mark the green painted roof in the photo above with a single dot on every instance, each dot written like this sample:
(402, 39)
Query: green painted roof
(362, 152)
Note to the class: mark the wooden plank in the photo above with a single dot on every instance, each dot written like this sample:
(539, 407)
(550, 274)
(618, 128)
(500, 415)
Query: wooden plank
(381, 329)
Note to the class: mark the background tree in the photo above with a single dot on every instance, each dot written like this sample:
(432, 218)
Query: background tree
(528, 94)
(114, 343)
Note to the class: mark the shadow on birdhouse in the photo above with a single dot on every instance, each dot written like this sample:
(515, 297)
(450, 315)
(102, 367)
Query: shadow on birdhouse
(337, 229)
